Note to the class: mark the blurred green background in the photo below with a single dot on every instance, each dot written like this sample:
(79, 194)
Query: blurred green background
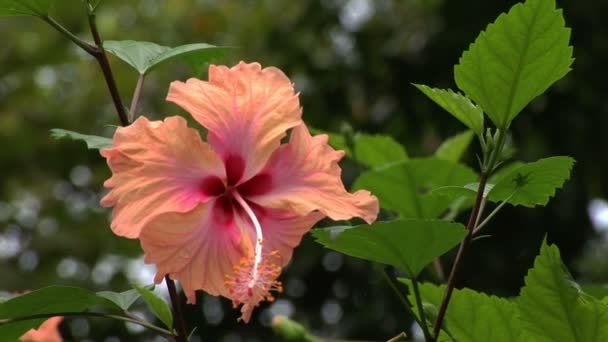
(353, 62)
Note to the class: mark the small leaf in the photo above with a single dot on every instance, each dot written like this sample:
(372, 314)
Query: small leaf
(159, 306)
(123, 299)
(406, 186)
(48, 300)
(38, 8)
(515, 59)
(93, 142)
(378, 150)
(533, 183)
(456, 104)
(139, 55)
(454, 147)
(552, 306)
(145, 56)
(472, 316)
(406, 244)
(526, 184)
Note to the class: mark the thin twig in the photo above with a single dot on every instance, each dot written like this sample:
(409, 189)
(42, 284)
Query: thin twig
(493, 213)
(180, 325)
(159, 330)
(459, 258)
(102, 59)
(136, 95)
(90, 49)
(402, 298)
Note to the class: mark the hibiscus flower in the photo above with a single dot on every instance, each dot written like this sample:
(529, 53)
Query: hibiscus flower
(224, 215)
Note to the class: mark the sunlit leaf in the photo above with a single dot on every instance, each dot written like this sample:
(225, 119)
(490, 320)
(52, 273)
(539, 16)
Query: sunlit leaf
(456, 104)
(93, 142)
(24, 7)
(515, 59)
(552, 306)
(378, 150)
(406, 244)
(454, 147)
(158, 305)
(406, 187)
(123, 299)
(145, 56)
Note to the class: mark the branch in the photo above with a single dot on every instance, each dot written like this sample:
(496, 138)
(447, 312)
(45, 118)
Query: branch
(460, 257)
(180, 325)
(102, 59)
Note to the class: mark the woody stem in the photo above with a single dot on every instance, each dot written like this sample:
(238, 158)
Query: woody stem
(180, 324)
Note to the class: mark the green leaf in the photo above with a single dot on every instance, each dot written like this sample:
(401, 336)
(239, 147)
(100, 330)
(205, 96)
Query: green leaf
(456, 104)
(145, 56)
(378, 150)
(552, 306)
(93, 142)
(124, 300)
(526, 184)
(406, 186)
(48, 300)
(599, 291)
(406, 244)
(515, 59)
(533, 183)
(472, 316)
(36, 8)
(159, 306)
(454, 147)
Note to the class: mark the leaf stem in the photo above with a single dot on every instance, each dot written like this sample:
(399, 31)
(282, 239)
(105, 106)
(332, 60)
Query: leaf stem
(459, 257)
(493, 213)
(421, 313)
(102, 59)
(402, 298)
(90, 49)
(180, 324)
(136, 95)
(159, 330)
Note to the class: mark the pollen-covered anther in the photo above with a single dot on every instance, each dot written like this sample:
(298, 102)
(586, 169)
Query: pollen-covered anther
(247, 285)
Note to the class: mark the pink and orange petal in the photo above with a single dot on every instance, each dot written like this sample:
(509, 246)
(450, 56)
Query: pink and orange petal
(47, 332)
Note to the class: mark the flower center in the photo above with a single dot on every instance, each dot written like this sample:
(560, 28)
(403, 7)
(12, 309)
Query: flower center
(254, 278)
(259, 236)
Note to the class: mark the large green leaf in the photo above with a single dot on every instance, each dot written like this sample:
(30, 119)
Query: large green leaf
(406, 244)
(454, 147)
(472, 316)
(406, 186)
(533, 183)
(93, 142)
(159, 306)
(378, 150)
(145, 56)
(456, 104)
(48, 300)
(515, 59)
(552, 306)
(37, 8)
